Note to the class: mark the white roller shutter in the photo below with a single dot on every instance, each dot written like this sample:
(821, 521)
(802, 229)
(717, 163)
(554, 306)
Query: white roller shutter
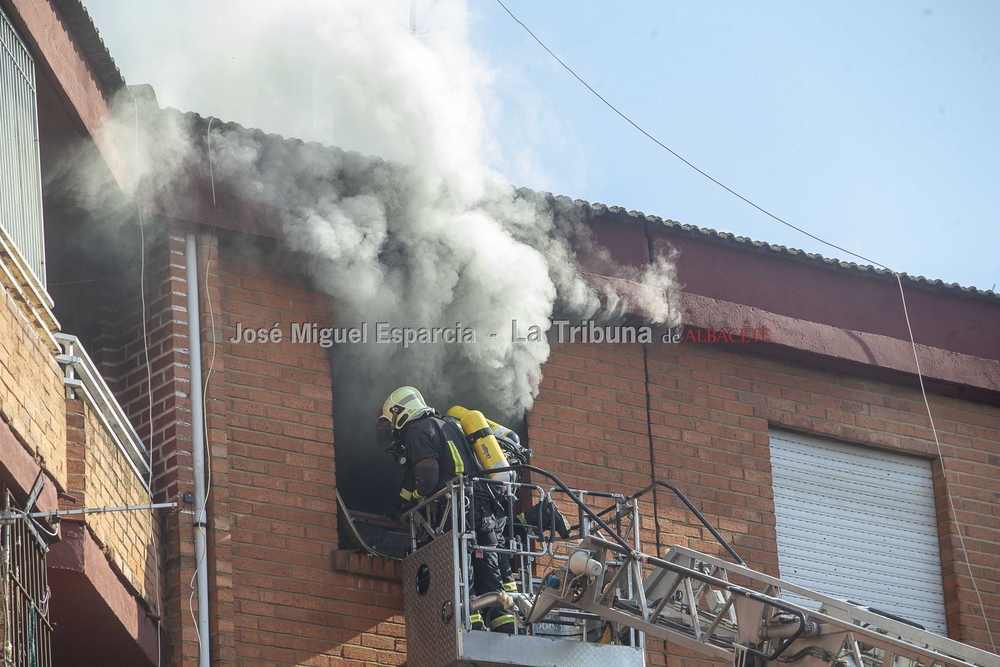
(858, 524)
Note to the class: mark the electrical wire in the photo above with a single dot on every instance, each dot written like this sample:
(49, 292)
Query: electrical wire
(675, 153)
(211, 312)
(913, 344)
(208, 379)
(80, 282)
(36, 524)
(149, 376)
(652, 449)
(41, 528)
(944, 469)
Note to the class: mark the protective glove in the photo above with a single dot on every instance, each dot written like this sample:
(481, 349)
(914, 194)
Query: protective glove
(549, 514)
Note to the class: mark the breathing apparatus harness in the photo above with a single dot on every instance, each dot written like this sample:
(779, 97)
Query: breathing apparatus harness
(508, 441)
(509, 450)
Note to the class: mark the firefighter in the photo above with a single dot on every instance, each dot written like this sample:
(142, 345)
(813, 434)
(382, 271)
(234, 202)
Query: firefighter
(545, 515)
(435, 451)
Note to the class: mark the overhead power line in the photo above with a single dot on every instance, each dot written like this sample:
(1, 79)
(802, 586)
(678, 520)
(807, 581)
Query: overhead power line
(906, 315)
(681, 157)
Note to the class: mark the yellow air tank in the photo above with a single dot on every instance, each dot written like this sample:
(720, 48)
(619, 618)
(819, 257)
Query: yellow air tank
(484, 443)
(499, 430)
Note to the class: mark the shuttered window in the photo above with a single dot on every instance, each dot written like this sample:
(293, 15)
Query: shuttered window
(858, 524)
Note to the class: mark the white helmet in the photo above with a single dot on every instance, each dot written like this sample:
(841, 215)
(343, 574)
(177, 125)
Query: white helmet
(403, 406)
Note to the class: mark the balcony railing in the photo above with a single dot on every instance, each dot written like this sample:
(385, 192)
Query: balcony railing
(20, 170)
(83, 380)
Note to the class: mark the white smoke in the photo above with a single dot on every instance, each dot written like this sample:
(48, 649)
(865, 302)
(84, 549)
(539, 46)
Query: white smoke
(430, 236)
(434, 237)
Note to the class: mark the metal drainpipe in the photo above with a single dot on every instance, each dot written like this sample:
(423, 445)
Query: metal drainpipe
(198, 447)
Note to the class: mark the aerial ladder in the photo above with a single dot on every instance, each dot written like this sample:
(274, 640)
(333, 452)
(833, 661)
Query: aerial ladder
(592, 600)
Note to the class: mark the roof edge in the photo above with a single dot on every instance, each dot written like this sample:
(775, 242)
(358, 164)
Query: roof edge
(85, 31)
(597, 209)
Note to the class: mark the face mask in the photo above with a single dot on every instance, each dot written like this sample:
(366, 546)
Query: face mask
(387, 440)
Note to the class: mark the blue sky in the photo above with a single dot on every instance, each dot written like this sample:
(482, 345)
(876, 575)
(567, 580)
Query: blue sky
(874, 125)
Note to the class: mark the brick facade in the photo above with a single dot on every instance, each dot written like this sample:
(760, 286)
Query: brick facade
(275, 595)
(31, 390)
(297, 601)
(609, 418)
(121, 353)
(100, 476)
(710, 410)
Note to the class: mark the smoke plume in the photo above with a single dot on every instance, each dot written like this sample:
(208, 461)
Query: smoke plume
(429, 234)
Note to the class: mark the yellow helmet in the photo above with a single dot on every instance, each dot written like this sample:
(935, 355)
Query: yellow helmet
(403, 406)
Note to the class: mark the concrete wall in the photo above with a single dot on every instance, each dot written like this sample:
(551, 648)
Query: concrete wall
(774, 280)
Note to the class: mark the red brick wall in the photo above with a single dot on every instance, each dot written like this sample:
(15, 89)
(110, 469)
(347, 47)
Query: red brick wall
(100, 476)
(283, 595)
(710, 410)
(291, 606)
(589, 423)
(121, 353)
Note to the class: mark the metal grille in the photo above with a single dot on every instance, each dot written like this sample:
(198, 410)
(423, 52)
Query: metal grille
(26, 627)
(20, 169)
